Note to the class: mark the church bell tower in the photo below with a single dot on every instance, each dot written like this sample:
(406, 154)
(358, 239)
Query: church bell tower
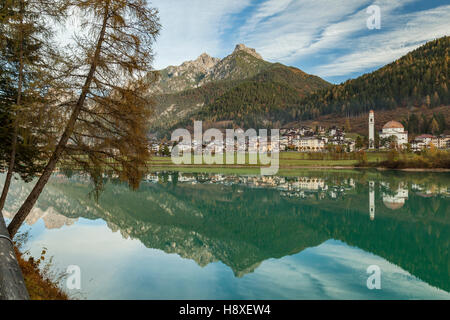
(371, 130)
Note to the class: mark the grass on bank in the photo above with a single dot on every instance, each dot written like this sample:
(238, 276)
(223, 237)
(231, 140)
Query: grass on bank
(430, 159)
(293, 162)
(41, 282)
(39, 285)
(288, 159)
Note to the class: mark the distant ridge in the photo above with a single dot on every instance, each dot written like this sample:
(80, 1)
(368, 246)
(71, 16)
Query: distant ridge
(245, 91)
(418, 79)
(212, 89)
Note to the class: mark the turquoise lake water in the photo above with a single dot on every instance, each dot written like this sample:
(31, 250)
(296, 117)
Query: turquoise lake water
(212, 236)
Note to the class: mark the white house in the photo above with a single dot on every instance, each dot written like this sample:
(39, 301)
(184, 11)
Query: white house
(310, 144)
(424, 141)
(395, 129)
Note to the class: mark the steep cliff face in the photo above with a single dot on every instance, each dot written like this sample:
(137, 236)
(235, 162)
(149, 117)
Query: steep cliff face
(188, 75)
(250, 51)
(244, 62)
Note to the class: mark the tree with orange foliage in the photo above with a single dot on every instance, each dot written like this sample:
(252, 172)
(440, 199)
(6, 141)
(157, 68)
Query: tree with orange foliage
(106, 80)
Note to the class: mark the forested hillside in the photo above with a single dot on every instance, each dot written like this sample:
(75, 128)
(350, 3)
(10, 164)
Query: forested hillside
(263, 99)
(420, 78)
(253, 93)
(280, 95)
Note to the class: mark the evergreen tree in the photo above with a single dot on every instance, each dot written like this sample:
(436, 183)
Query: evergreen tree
(24, 35)
(418, 78)
(434, 127)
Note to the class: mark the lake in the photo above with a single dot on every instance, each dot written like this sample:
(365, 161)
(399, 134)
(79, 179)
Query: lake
(310, 235)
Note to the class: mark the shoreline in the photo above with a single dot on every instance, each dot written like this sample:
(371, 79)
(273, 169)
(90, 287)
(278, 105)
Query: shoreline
(39, 287)
(438, 161)
(416, 169)
(316, 167)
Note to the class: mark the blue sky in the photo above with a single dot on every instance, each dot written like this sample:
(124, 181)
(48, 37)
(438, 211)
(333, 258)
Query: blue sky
(322, 37)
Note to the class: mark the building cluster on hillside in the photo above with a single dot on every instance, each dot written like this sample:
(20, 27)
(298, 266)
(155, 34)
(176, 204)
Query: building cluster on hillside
(306, 139)
(394, 135)
(162, 148)
(424, 141)
(318, 139)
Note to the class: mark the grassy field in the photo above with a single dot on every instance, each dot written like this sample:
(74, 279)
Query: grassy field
(288, 161)
(291, 163)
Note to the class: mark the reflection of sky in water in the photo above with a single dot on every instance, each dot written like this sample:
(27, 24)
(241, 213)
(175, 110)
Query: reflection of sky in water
(408, 225)
(117, 268)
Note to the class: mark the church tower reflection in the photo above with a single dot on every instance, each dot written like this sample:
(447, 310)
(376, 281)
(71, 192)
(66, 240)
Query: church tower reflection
(372, 200)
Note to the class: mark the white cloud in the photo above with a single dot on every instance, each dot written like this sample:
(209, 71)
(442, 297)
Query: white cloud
(297, 30)
(302, 28)
(332, 270)
(190, 28)
(268, 9)
(331, 37)
(377, 50)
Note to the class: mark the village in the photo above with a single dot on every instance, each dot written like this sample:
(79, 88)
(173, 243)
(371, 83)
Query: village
(322, 139)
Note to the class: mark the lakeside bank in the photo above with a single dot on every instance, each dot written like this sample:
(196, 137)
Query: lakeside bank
(436, 161)
(39, 286)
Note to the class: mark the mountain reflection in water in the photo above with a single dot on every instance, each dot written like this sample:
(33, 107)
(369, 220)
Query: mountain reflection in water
(242, 221)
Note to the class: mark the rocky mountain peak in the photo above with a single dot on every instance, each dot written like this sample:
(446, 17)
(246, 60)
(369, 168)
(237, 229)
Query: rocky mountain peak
(207, 60)
(250, 51)
(204, 69)
(202, 64)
